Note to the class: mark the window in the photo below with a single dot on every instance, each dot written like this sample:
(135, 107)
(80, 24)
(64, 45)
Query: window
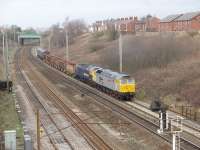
(99, 71)
(123, 81)
(131, 81)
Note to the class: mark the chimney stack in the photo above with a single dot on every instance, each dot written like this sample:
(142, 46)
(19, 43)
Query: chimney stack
(135, 18)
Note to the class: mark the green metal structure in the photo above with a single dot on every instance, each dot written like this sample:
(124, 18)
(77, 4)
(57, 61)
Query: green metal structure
(29, 38)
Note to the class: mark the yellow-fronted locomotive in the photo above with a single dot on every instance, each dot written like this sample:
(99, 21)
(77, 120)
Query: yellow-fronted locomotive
(119, 85)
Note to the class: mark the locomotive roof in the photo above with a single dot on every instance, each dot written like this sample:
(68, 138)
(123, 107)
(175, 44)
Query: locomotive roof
(93, 67)
(88, 66)
(41, 50)
(113, 74)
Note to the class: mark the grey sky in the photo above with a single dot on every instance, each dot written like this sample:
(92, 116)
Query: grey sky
(43, 13)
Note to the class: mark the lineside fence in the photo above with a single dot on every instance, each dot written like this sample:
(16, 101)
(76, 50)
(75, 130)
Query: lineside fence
(188, 111)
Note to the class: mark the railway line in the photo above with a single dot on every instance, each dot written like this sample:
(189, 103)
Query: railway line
(89, 135)
(117, 107)
(49, 121)
(192, 126)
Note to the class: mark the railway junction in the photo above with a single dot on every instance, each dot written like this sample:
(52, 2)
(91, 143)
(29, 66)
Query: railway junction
(74, 115)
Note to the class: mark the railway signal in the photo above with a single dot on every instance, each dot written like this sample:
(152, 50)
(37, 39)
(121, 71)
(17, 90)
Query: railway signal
(175, 127)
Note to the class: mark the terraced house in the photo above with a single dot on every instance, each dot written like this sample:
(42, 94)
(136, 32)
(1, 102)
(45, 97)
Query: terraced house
(167, 23)
(188, 21)
(181, 22)
(176, 22)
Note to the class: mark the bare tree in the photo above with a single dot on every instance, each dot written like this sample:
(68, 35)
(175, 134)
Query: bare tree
(74, 28)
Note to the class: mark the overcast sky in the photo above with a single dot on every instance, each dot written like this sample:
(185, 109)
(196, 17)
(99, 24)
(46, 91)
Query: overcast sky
(44, 13)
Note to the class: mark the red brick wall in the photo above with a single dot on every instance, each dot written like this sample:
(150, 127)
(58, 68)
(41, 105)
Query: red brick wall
(186, 25)
(131, 27)
(140, 27)
(195, 24)
(127, 26)
(166, 26)
(153, 24)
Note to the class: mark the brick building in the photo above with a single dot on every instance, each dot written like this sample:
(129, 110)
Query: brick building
(167, 24)
(177, 22)
(125, 24)
(187, 21)
(140, 26)
(152, 24)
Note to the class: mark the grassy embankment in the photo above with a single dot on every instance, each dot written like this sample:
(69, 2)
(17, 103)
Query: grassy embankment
(8, 116)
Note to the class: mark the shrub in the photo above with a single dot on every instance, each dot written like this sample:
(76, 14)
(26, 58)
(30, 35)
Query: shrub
(97, 35)
(112, 34)
(96, 46)
(141, 94)
(192, 33)
(145, 52)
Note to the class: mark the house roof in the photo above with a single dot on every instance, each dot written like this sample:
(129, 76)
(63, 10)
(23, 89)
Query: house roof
(171, 18)
(188, 16)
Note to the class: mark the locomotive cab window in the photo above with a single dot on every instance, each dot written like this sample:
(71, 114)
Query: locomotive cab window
(123, 81)
(131, 81)
(99, 71)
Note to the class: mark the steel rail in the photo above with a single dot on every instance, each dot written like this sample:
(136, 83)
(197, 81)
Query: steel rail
(91, 137)
(19, 67)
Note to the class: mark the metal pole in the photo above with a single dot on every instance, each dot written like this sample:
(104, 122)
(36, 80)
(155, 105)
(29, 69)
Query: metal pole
(67, 46)
(4, 72)
(67, 50)
(174, 141)
(7, 73)
(120, 52)
(50, 40)
(49, 43)
(38, 129)
(14, 34)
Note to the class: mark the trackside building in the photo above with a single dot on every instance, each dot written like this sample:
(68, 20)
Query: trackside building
(29, 38)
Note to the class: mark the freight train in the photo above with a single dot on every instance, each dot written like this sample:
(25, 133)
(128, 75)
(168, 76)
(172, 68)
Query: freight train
(118, 85)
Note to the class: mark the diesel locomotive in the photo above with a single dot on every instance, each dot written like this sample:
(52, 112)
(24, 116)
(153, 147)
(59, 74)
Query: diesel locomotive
(118, 85)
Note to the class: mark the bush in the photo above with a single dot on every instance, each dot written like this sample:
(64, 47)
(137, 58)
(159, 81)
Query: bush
(112, 34)
(96, 46)
(97, 35)
(141, 94)
(192, 33)
(140, 52)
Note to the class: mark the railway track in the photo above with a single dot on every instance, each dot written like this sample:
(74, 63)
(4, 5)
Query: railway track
(57, 138)
(195, 131)
(116, 106)
(95, 141)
